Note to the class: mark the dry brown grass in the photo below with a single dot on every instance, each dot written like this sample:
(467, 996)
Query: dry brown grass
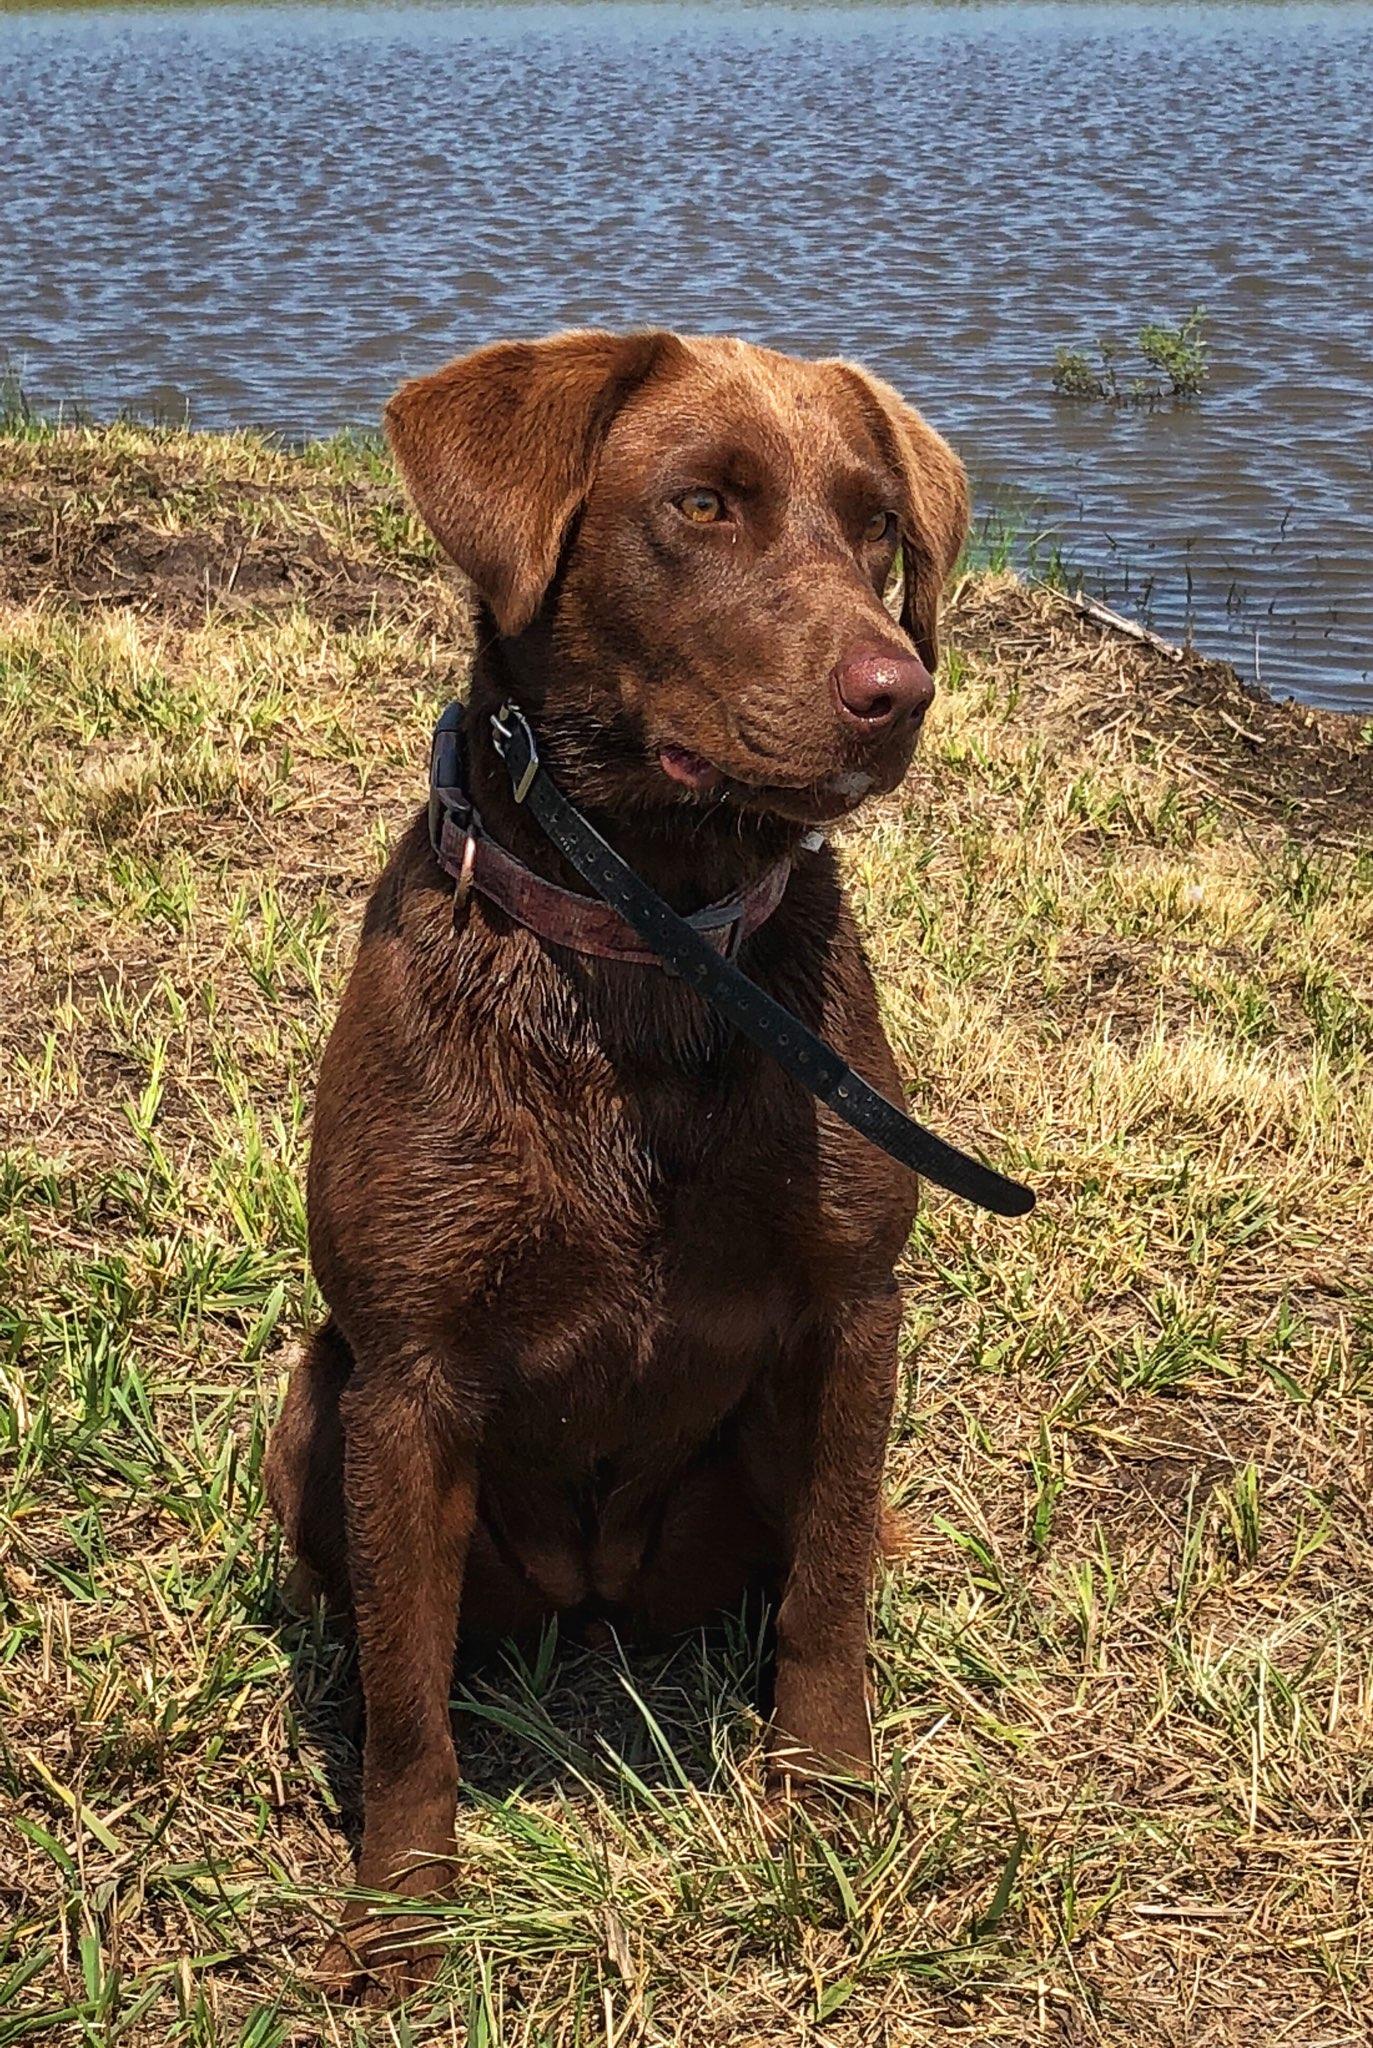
(1122, 916)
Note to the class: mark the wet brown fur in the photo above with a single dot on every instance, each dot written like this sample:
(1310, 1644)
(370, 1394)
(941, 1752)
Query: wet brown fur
(613, 1318)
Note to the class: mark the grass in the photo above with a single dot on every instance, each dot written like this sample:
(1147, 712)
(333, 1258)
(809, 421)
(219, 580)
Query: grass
(1122, 916)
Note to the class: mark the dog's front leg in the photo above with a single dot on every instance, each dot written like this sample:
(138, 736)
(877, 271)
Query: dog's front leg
(410, 1490)
(820, 1716)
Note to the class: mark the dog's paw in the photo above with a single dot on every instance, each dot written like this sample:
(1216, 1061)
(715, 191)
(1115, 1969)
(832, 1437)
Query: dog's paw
(821, 1732)
(829, 1764)
(375, 1961)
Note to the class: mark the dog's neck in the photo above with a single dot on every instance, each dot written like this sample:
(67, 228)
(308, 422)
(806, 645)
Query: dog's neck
(691, 853)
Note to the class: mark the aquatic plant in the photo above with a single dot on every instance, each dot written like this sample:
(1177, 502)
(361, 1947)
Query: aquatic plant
(1074, 376)
(1177, 356)
(14, 407)
(1179, 353)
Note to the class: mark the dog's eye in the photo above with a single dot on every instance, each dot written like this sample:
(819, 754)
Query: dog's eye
(701, 507)
(880, 527)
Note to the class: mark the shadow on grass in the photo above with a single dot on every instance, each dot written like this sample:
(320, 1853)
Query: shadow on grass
(608, 1711)
(559, 1711)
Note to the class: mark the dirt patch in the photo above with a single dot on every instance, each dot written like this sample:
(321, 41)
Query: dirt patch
(185, 577)
(157, 536)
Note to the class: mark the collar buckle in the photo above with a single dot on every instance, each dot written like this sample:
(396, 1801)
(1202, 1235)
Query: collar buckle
(514, 742)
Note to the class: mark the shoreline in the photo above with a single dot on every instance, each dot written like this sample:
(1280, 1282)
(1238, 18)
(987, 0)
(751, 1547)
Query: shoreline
(107, 516)
(361, 451)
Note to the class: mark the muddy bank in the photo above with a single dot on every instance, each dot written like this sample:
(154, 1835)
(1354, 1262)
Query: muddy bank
(1311, 770)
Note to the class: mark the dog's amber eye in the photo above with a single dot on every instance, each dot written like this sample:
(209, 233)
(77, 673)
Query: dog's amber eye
(701, 507)
(880, 526)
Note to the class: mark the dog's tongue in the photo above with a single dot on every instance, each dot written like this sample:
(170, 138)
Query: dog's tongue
(685, 767)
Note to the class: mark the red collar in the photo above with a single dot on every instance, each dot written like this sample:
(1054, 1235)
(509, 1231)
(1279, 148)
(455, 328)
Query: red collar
(559, 915)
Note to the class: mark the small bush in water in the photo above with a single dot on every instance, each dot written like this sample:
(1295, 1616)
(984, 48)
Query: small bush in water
(1176, 355)
(1179, 353)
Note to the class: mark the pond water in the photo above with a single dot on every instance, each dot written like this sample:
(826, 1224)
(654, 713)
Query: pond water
(268, 215)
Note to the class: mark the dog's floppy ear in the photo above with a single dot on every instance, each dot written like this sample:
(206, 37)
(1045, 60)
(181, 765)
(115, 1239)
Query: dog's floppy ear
(499, 449)
(937, 509)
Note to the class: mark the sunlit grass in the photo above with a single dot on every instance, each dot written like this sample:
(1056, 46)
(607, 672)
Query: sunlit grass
(1123, 1676)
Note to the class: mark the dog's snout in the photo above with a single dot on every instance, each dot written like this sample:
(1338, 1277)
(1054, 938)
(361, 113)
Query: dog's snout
(876, 686)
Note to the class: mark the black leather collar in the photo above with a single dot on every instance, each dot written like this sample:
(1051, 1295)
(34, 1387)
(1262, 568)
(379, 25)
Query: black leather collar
(784, 1038)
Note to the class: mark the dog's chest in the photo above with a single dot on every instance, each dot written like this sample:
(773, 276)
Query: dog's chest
(692, 1200)
(645, 1249)
(640, 1324)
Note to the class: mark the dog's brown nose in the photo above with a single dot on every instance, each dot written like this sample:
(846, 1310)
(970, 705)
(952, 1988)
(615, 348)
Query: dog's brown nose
(878, 685)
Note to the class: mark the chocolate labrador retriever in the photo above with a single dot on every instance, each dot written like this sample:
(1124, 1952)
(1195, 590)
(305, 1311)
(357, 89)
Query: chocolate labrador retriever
(613, 1323)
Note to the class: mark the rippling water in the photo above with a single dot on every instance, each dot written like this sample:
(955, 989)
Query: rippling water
(270, 214)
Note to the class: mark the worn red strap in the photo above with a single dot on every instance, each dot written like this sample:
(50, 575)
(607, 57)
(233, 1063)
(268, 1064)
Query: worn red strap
(582, 922)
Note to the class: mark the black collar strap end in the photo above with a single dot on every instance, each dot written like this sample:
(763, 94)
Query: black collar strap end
(784, 1038)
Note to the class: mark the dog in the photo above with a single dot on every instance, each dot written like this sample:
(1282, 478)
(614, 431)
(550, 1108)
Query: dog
(613, 1317)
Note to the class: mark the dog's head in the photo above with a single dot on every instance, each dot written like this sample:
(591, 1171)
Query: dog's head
(715, 570)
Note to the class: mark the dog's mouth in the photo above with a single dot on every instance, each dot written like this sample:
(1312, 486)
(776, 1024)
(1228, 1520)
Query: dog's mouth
(809, 803)
(693, 771)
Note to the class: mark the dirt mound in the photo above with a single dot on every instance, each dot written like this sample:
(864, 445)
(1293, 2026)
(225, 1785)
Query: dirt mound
(1079, 670)
(83, 521)
(122, 562)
